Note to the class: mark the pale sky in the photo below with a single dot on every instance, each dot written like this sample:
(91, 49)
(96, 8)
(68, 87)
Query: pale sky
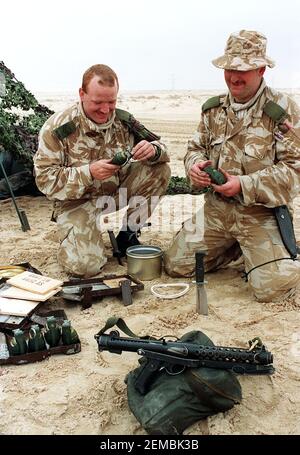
(151, 44)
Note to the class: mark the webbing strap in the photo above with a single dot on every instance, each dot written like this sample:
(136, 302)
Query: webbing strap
(120, 323)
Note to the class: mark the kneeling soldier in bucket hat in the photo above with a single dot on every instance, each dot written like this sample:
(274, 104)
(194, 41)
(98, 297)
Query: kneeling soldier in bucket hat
(252, 135)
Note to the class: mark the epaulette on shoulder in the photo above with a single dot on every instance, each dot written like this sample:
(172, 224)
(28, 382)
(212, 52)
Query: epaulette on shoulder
(65, 130)
(124, 116)
(275, 112)
(215, 101)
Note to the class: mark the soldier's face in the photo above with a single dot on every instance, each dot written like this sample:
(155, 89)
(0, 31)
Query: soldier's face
(99, 102)
(243, 84)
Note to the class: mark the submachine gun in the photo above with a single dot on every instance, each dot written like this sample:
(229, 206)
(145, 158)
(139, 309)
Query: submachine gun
(175, 356)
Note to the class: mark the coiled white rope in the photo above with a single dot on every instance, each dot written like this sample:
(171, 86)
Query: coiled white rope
(185, 289)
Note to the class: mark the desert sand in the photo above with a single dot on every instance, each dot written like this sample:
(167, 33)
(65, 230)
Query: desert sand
(85, 394)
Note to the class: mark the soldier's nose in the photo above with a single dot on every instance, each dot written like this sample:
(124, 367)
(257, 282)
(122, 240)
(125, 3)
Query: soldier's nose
(236, 80)
(104, 108)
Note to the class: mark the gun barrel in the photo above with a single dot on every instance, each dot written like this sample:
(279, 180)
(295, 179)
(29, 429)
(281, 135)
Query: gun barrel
(116, 344)
(21, 214)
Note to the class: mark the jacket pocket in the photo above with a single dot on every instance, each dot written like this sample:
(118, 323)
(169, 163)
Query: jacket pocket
(258, 154)
(215, 150)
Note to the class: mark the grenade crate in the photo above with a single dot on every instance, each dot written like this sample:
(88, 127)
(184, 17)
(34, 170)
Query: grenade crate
(38, 341)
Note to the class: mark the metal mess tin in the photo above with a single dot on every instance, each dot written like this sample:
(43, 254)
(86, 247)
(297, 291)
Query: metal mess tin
(144, 262)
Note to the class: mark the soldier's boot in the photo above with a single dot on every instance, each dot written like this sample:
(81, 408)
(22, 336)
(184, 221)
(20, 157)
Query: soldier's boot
(127, 238)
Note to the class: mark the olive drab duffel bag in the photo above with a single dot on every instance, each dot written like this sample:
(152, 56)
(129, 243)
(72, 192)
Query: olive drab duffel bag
(173, 403)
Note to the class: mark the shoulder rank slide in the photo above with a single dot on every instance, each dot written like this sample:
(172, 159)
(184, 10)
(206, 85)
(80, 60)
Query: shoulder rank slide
(215, 101)
(275, 112)
(65, 130)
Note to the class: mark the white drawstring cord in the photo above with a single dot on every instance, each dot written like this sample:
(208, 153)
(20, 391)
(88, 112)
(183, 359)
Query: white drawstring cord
(186, 287)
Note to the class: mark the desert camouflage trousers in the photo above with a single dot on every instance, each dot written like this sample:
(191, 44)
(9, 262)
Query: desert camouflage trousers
(81, 251)
(225, 230)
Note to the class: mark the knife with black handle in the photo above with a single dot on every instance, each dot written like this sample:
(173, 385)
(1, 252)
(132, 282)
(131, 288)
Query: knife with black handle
(201, 297)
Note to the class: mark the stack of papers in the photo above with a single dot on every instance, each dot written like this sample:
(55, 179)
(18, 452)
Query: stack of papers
(22, 293)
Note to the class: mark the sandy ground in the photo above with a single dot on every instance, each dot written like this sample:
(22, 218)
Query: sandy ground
(85, 393)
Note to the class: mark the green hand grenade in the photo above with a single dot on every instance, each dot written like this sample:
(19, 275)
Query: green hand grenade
(19, 347)
(68, 334)
(216, 176)
(52, 334)
(13, 346)
(36, 340)
(121, 158)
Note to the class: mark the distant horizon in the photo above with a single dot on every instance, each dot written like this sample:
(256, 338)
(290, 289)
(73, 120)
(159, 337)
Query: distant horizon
(222, 90)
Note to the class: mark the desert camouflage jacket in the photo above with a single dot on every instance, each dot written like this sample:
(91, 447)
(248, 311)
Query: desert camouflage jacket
(254, 147)
(61, 165)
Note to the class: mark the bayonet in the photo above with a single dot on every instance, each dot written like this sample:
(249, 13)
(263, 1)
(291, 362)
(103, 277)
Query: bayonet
(116, 252)
(201, 297)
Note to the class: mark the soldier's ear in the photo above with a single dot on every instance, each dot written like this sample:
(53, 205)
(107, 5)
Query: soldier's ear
(261, 71)
(81, 93)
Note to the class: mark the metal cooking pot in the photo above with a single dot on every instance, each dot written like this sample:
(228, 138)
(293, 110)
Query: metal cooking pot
(144, 261)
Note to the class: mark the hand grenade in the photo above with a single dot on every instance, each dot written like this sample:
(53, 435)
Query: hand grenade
(36, 340)
(68, 333)
(52, 333)
(18, 343)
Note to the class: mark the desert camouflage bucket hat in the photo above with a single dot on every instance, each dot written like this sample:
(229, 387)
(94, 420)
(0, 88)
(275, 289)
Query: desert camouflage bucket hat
(245, 50)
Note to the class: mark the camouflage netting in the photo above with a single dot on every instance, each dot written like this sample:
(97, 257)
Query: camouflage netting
(180, 185)
(21, 118)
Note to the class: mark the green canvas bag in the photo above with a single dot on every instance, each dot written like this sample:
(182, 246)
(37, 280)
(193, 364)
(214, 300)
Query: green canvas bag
(173, 403)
